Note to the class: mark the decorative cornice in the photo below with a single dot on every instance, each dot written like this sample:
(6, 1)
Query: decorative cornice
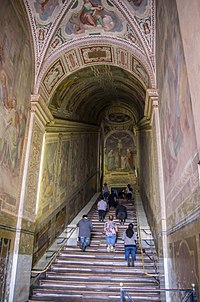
(151, 101)
(58, 126)
(39, 107)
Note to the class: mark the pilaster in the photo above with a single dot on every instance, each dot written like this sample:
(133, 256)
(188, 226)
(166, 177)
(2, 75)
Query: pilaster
(152, 116)
(39, 117)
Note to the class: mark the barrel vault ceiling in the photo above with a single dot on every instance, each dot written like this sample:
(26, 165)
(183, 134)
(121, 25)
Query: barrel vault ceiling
(93, 68)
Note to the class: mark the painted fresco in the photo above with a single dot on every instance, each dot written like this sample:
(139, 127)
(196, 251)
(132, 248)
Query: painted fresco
(63, 167)
(68, 99)
(139, 6)
(119, 152)
(54, 75)
(176, 113)
(140, 71)
(47, 185)
(15, 90)
(45, 9)
(93, 15)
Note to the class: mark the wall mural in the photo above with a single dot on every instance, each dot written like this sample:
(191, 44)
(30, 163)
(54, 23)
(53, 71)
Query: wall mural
(62, 167)
(139, 5)
(93, 15)
(48, 178)
(15, 90)
(119, 152)
(45, 9)
(176, 112)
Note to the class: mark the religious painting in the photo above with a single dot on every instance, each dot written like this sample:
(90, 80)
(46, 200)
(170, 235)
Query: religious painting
(63, 172)
(177, 125)
(139, 5)
(15, 90)
(45, 9)
(93, 16)
(75, 161)
(48, 178)
(119, 152)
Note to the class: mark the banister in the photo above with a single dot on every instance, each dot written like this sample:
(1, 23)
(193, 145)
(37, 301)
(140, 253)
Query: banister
(54, 255)
(190, 293)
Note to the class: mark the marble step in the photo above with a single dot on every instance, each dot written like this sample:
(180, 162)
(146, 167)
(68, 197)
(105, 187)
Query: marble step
(97, 285)
(95, 275)
(91, 276)
(118, 269)
(94, 295)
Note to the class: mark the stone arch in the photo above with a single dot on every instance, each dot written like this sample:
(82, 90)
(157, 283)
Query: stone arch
(95, 51)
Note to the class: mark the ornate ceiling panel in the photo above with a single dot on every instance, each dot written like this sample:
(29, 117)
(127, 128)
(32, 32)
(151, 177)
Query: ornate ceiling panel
(94, 59)
(78, 58)
(89, 91)
(55, 23)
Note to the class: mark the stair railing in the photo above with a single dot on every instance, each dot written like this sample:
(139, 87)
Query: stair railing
(35, 273)
(156, 275)
(189, 294)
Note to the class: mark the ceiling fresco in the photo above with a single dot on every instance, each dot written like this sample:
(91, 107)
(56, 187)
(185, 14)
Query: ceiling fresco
(56, 22)
(85, 93)
(93, 55)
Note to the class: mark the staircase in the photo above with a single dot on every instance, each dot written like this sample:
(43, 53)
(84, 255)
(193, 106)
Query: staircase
(96, 275)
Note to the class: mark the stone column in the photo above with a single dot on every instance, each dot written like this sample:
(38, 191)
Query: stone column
(152, 115)
(23, 246)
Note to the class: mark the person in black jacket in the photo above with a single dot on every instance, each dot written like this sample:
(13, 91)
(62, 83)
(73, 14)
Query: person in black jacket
(112, 200)
(121, 213)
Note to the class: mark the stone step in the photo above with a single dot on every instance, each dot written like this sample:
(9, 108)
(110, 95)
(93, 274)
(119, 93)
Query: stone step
(97, 284)
(95, 275)
(113, 293)
(101, 268)
(94, 254)
(91, 276)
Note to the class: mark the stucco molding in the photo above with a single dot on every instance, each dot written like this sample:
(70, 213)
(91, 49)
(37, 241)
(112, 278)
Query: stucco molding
(39, 107)
(133, 52)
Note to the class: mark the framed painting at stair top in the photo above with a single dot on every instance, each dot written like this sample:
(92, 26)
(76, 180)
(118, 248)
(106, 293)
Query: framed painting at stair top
(119, 152)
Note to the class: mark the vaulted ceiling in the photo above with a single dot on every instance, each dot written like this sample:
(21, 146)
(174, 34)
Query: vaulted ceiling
(94, 59)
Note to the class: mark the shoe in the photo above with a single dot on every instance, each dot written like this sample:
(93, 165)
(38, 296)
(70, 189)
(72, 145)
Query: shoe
(129, 262)
(83, 247)
(112, 249)
(133, 264)
(109, 248)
